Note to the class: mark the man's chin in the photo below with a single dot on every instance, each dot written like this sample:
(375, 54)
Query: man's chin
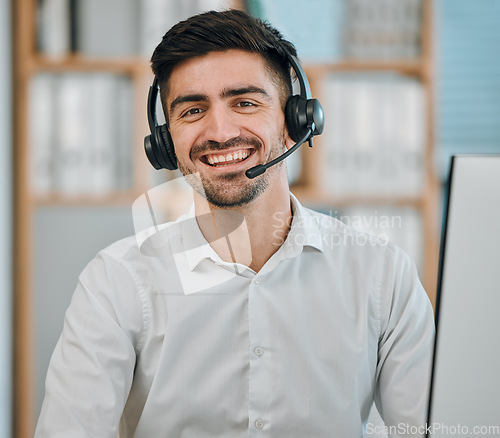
(236, 198)
(228, 189)
(226, 203)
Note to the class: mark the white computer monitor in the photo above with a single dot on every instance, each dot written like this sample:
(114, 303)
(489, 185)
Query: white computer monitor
(465, 390)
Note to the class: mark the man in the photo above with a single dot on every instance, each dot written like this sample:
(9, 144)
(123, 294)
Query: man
(302, 322)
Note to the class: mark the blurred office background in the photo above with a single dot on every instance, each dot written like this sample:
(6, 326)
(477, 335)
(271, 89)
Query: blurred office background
(404, 84)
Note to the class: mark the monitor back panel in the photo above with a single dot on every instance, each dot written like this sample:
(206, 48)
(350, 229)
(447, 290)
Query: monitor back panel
(465, 391)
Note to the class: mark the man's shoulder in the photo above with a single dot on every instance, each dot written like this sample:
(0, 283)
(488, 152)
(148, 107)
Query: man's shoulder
(343, 237)
(138, 245)
(126, 253)
(125, 248)
(329, 225)
(149, 253)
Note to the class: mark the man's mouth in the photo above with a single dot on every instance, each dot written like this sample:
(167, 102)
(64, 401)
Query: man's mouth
(219, 159)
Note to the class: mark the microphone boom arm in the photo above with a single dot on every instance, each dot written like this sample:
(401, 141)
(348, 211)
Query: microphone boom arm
(261, 168)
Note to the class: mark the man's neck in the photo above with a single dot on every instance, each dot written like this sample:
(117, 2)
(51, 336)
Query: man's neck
(248, 235)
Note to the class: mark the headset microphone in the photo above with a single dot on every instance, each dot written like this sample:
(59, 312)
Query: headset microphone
(261, 168)
(304, 119)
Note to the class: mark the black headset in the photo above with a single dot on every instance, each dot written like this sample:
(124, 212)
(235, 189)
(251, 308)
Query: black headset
(304, 119)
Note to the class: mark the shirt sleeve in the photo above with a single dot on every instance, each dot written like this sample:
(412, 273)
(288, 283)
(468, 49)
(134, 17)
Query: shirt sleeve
(405, 347)
(91, 369)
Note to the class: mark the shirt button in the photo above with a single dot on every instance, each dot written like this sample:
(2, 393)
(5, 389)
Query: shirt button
(259, 351)
(259, 424)
(257, 280)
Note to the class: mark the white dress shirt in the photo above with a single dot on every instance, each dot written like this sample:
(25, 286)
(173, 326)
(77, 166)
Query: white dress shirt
(335, 320)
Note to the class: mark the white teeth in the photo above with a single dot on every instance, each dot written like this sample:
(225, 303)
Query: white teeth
(238, 155)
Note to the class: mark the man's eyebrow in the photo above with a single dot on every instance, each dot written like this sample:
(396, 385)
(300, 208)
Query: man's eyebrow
(250, 89)
(229, 92)
(187, 98)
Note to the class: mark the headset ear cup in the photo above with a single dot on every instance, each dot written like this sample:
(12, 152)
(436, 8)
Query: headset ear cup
(316, 115)
(168, 148)
(151, 150)
(296, 117)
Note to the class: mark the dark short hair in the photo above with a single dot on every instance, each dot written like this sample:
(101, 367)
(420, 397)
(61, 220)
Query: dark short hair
(220, 31)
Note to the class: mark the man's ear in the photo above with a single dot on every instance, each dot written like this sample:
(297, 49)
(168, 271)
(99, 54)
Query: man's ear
(288, 140)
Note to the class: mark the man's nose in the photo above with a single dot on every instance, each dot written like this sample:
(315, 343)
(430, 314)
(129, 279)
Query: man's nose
(222, 124)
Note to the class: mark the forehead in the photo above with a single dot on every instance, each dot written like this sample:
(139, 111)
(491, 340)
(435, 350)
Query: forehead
(216, 71)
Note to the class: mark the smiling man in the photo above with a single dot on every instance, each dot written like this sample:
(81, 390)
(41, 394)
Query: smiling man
(302, 322)
(225, 115)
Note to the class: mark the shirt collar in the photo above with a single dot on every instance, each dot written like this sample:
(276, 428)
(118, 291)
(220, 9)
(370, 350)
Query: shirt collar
(304, 231)
(196, 247)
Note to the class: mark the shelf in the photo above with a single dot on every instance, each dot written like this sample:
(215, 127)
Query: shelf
(132, 65)
(313, 197)
(140, 64)
(407, 67)
(108, 199)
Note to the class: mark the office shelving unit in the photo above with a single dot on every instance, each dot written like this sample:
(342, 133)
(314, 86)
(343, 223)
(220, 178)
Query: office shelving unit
(28, 63)
(426, 202)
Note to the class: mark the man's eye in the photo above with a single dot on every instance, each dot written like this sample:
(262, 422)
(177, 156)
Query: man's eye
(192, 112)
(245, 104)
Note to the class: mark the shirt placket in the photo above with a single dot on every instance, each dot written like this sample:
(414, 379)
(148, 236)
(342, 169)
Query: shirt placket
(260, 391)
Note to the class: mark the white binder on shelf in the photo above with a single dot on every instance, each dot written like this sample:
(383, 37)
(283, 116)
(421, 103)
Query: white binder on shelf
(374, 140)
(124, 134)
(107, 27)
(54, 34)
(382, 29)
(41, 133)
(101, 151)
(72, 134)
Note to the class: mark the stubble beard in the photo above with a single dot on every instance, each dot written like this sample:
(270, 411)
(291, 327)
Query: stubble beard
(233, 189)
